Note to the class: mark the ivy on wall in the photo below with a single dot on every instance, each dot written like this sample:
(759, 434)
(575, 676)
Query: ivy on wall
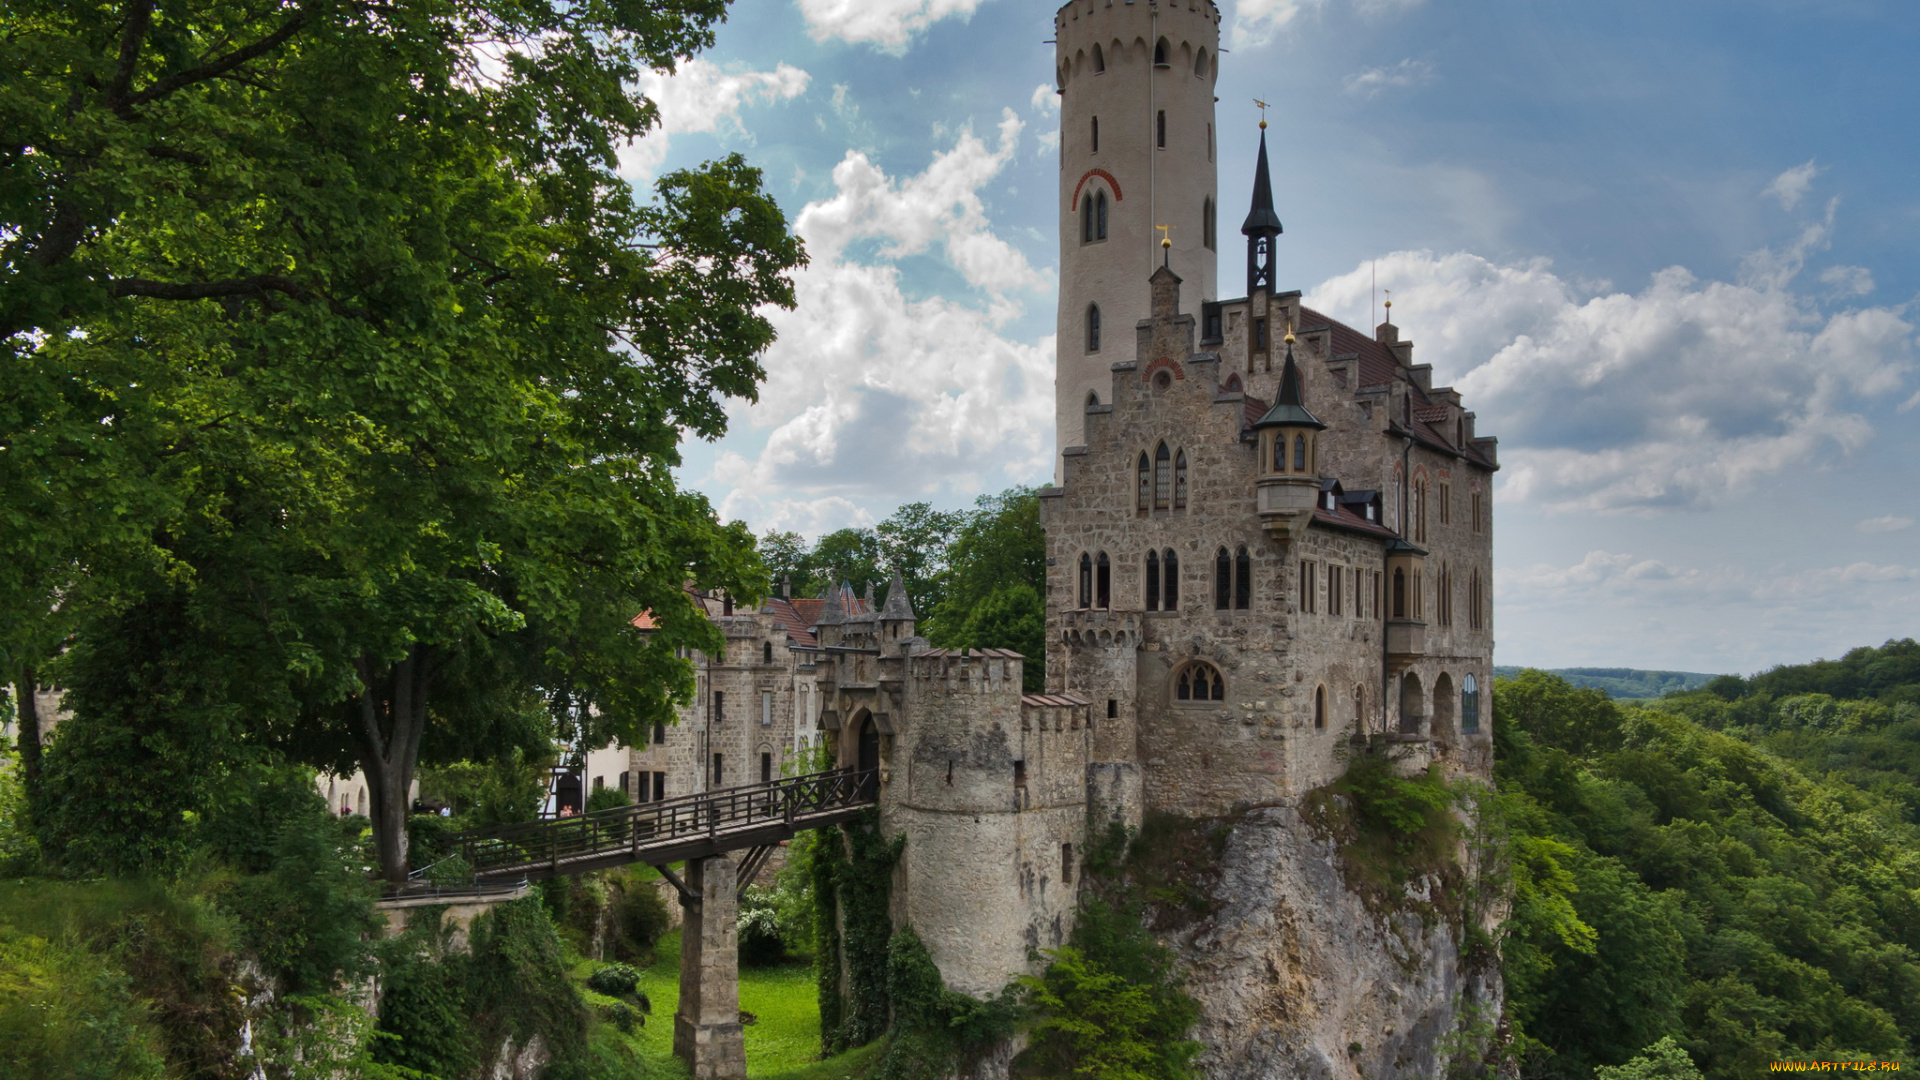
(853, 888)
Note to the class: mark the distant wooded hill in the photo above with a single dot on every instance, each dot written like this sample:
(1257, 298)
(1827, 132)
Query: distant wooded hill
(1619, 682)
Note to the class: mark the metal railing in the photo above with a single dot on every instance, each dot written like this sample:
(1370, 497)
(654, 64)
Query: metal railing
(711, 821)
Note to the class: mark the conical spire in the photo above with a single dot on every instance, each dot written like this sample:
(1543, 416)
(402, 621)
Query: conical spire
(833, 612)
(1262, 219)
(1289, 410)
(1262, 226)
(899, 608)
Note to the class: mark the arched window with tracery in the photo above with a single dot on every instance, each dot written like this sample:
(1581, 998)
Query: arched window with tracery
(1144, 499)
(1197, 682)
(1153, 581)
(1093, 327)
(1102, 581)
(1180, 480)
(1170, 580)
(1162, 477)
(1242, 579)
(1086, 580)
(1222, 581)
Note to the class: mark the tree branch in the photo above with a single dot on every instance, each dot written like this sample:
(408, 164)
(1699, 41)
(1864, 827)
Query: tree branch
(218, 66)
(135, 35)
(257, 285)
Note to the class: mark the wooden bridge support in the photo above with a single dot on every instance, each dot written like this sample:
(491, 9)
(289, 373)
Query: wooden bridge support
(706, 1028)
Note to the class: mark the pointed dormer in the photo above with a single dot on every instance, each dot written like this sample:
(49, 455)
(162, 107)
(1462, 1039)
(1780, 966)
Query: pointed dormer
(1262, 226)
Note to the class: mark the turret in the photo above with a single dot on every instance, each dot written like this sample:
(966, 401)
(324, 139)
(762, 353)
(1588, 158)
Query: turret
(1289, 476)
(897, 618)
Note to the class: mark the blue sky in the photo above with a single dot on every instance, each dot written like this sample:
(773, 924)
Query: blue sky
(1666, 251)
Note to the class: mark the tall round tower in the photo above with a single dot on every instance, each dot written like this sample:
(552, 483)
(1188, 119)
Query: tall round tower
(1136, 152)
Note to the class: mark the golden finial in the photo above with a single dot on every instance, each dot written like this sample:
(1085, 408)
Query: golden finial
(1389, 293)
(1166, 241)
(1263, 112)
(1289, 338)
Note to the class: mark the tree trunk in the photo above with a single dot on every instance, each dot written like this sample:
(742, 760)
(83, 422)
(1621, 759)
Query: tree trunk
(392, 708)
(29, 712)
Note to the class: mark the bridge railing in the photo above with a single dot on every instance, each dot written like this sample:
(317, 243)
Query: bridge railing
(514, 848)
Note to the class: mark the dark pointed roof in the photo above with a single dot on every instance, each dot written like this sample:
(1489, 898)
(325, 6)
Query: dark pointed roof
(1262, 219)
(899, 608)
(1289, 410)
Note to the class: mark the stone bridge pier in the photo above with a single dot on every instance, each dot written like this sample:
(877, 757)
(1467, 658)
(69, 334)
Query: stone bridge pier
(706, 1027)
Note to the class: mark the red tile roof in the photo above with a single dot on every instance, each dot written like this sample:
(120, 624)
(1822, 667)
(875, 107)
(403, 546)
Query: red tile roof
(1378, 366)
(1351, 522)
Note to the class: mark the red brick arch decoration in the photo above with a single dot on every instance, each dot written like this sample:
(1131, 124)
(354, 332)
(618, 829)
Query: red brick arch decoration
(1102, 174)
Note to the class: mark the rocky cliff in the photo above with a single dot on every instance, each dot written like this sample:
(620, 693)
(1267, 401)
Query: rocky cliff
(1299, 975)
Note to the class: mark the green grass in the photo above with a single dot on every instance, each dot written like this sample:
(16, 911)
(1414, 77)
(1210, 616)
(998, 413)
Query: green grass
(783, 1045)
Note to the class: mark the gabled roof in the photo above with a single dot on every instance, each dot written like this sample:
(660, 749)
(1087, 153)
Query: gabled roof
(1378, 366)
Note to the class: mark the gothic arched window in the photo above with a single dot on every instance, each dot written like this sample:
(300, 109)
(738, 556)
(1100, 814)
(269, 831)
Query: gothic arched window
(1100, 215)
(1199, 681)
(1153, 581)
(1299, 453)
(1469, 705)
(1086, 219)
(1146, 484)
(1162, 477)
(1199, 63)
(1170, 580)
(1222, 580)
(1099, 62)
(1086, 580)
(1102, 581)
(1160, 52)
(1180, 480)
(1093, 327)
(1242, 579)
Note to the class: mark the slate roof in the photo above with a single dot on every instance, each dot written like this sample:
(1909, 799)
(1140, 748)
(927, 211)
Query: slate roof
(1378, 366)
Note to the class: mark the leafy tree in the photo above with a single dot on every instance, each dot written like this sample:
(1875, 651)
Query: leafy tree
(996, 581)
(339, 316)
(1664, 1060)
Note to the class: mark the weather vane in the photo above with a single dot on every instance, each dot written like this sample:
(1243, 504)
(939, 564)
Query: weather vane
(1166, 243)
(1263, 111)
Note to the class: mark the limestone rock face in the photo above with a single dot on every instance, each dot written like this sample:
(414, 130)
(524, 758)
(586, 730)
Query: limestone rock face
(1292, 969)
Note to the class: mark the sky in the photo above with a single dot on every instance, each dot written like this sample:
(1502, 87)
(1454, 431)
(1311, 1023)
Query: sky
(1669, 254)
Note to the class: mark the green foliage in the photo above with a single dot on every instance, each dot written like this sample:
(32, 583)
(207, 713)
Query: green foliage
(494, 789)
(1664, 1060)
(423, 1002)
(614, 980)
(935, 1031)
(762, 942)
(996, 582)
(640, 920)
(65, 1014)
(517, 986)
(852, 870)
(19, 847)
(1392, 829)
(301, 896)
(1100, 1025)
(1110, 1003)
(1736, 906)
(606, 798)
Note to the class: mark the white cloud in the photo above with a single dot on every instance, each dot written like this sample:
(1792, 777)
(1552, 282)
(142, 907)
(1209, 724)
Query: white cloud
(1257, 22)
(1887, 524)
(1847, 281)
(1372, 81)
(703, 97)
(874, 393)
(1792, 186)
(887, 24)
(1675, 396)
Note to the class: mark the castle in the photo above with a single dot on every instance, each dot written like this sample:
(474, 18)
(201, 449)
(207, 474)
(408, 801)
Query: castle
(1270, 538)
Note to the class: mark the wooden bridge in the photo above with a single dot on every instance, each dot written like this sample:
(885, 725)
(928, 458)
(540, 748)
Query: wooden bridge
(754, 817)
